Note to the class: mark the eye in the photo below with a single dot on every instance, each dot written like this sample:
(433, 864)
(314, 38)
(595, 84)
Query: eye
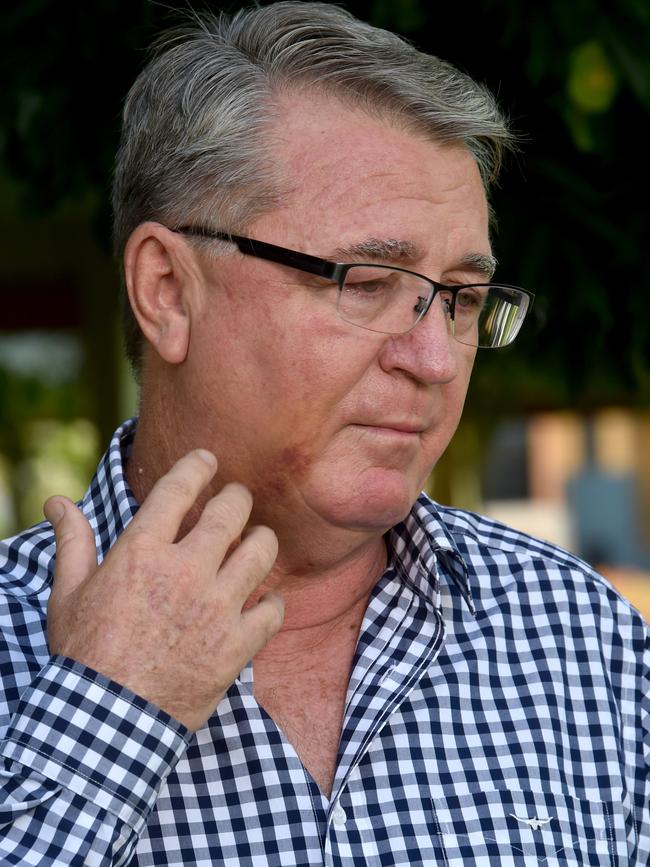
(366, 287)
(362, 284)
(470, 300)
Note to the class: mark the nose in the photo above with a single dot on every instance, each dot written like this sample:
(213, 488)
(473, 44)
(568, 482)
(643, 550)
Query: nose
(428, 352)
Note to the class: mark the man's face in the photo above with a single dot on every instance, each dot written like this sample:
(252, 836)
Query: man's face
(325, 421)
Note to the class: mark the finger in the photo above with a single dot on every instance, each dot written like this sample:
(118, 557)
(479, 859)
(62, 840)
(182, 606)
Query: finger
(248, 565)
(221, 523)
(261, 622)
(174, 494)
(76, 555)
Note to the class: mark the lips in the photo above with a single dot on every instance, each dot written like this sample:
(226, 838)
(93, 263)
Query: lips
(398, 426)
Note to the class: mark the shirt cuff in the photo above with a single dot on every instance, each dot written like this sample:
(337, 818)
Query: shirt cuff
(87, 733)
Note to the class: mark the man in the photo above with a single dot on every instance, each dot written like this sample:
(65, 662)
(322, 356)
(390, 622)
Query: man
(286, 655)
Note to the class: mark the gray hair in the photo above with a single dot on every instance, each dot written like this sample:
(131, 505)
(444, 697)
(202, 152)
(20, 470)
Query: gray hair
(196, 124)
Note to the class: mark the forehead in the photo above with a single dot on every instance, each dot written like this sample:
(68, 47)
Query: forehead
(352, 176)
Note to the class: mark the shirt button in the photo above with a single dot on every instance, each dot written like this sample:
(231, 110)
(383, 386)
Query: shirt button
(339, 816)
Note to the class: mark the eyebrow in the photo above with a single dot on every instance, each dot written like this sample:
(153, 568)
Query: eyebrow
(399, 250)
(483, 263)
(380, 249)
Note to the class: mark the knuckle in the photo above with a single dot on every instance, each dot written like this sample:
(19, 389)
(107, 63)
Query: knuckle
(273, 619)
(65, 539)
(177, 488)
(277, 615)
(266, 537)
(136, 559)
(139, 558)
(225, 513)
(254, 557)
(238, 493)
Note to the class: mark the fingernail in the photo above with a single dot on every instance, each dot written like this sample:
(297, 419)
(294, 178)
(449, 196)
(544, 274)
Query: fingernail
(54, 511)
(207, 456)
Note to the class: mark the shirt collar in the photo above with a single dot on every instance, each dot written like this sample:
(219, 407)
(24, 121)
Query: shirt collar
(422, 542)
(109, 503)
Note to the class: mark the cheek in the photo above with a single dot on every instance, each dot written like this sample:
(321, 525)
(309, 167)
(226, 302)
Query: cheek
(453, 401)
(455, 392)
(308, 409)
(308, 363)
(465, 373)
(295, 460)
(285, 468)
(274, 381)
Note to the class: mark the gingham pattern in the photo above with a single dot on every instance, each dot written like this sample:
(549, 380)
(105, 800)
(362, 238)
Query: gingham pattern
(497, 714)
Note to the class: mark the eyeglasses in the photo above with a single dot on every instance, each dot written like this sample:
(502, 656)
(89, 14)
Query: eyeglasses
(392, 300)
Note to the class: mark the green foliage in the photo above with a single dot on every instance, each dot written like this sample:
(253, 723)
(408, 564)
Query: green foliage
(576, 81)
(41, 406)
(575, 77)
(61, 456)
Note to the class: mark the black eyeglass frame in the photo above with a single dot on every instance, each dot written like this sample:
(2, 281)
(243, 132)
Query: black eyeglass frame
(337, 271)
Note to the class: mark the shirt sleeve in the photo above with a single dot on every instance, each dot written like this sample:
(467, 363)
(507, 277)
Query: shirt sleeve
(643, 776)
(81, 766)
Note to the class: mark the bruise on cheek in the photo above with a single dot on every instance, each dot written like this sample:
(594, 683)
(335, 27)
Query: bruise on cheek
(295, 460)
(291, 465)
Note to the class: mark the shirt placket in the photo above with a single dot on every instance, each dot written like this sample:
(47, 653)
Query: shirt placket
(392, 662)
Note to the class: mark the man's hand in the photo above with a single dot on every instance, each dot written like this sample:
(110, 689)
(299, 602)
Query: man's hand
(165, 618)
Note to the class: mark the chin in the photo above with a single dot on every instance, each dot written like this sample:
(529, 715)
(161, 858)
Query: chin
(375, 502)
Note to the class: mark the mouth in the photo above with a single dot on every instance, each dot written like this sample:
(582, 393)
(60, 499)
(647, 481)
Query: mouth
(394, 429)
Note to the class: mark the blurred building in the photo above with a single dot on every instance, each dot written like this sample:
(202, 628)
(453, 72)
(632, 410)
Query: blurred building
(581, 482)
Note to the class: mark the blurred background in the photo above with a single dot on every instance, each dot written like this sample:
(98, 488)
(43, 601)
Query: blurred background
(556, 434)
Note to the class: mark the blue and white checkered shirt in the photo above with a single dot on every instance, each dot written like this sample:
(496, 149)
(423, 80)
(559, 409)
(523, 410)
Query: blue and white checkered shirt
(497, 714)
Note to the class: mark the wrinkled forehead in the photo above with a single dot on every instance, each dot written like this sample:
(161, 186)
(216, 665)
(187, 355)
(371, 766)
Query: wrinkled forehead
(361, 180)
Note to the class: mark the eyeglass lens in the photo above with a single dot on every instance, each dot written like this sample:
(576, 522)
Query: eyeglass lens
(392, 301)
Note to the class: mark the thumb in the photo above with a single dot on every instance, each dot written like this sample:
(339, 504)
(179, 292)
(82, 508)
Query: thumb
(76, 557)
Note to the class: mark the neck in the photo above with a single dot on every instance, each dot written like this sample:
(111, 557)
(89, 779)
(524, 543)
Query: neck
(324, 597)
(325, 573)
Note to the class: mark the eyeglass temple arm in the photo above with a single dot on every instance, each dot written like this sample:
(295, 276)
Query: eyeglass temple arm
(271, 252)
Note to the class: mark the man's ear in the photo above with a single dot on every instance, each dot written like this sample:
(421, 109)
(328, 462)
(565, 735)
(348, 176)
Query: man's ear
(159, 279)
